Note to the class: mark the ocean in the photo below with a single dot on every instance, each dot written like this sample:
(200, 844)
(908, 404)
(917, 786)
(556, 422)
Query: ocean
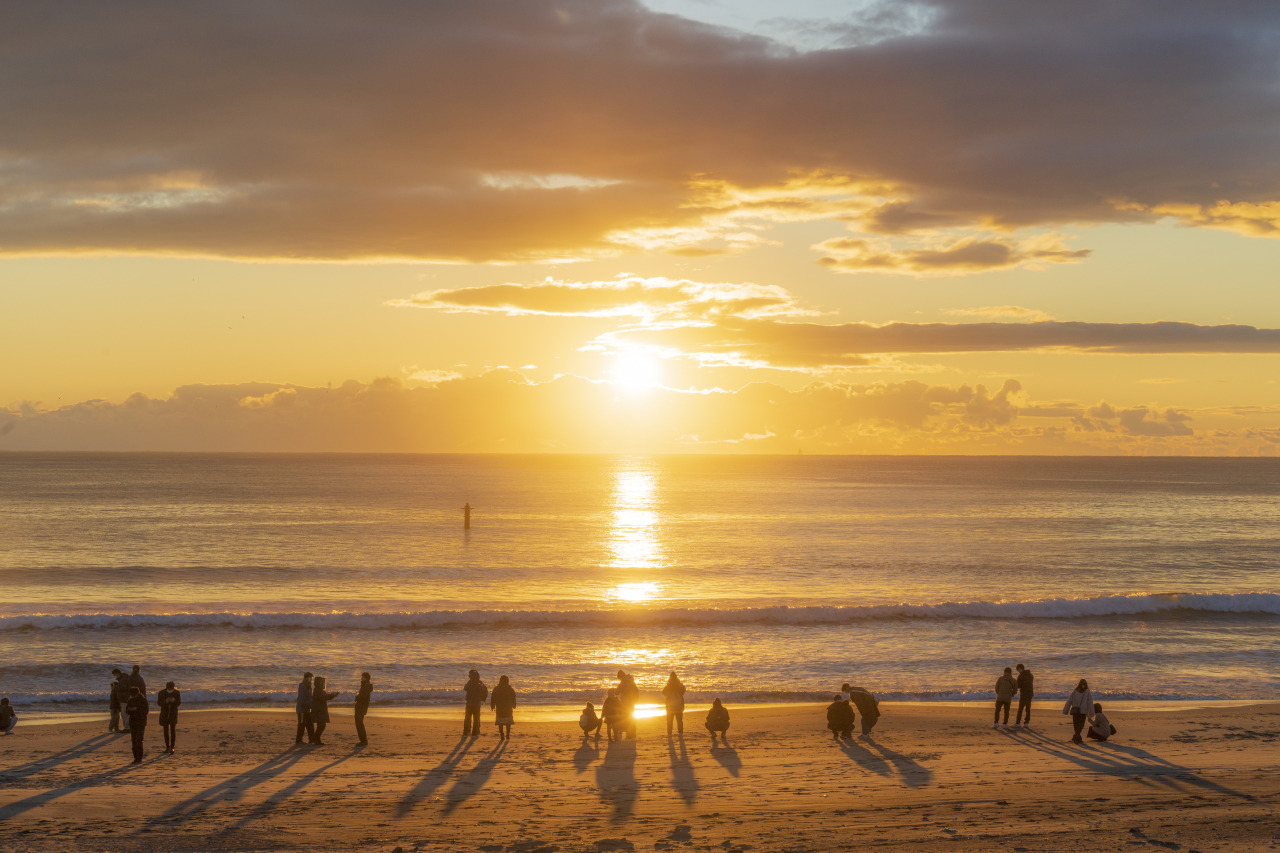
(758, 579)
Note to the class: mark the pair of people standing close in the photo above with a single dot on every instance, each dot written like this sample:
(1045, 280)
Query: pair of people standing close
(1082, 708)
(1006, 686)
(502, 701)
(840, 713)
(121, 691)
(312, 707)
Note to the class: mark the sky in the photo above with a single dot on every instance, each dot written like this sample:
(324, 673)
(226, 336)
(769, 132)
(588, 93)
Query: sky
(938, 227)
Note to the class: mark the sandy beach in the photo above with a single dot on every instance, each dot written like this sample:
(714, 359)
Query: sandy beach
(929, 777)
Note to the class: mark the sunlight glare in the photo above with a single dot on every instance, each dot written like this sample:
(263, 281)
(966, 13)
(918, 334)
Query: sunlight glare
(635, 370)
(636, 592)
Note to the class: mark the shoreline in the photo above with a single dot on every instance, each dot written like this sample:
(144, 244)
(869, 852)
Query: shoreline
(929, 774)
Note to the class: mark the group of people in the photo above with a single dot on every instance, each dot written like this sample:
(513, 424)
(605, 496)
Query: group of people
(312, 707)
(502, 701)
(841, 716)
(1079, 705)
(618, 711)
(129, 706)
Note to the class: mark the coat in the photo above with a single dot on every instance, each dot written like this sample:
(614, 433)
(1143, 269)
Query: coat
(839, 716)
(476, 692)
(1079, 702)
(628, 693)
(320, 706)
(612, 711)
(1026, 684)
(718, 718)
(503, 701)
(1005, 687)
(364, 696)
(674, 694)
(137, 709)
(303, 705)
(167, 701)
(868, 705)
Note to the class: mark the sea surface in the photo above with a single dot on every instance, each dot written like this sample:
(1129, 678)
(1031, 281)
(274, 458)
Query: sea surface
(758, 579)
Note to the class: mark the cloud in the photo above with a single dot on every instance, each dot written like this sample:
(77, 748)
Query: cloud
(500, 130)
(1001, 312)
(502, 411)
(650, 299)
(812, 345)
(966, 255)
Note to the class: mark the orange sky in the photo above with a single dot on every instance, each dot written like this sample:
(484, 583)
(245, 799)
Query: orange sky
(596, 226)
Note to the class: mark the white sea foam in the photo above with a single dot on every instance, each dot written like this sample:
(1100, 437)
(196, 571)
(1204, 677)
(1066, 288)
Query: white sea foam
(1262, 603)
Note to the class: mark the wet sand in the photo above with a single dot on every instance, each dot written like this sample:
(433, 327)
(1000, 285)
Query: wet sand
(930, 777)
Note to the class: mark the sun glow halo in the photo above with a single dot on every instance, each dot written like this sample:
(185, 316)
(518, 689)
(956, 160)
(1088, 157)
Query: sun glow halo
(635, 370)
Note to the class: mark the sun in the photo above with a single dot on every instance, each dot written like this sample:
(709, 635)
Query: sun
(635, 370)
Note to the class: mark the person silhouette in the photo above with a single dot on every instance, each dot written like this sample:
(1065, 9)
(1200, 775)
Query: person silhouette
(717, 719)
(475, 692)
(167, 701)
(503, 703)
(320, 708)
(136, 709)
(363, 696)
(303, 708)
(673, 692)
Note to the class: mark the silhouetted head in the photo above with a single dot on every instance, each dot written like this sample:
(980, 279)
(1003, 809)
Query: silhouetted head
(504, 680)
(473, 674)
(136, 669)
(715, 703)
(116, 671)
(844, 688)
(4, 701)
(1083, 685)
(306, 676)
(1008, 671)
(169, 684)
(590, 707)
(837, 698)
(1019, 667)
(1097, 707)
(364, 676)
(320, 682)
(621, 674)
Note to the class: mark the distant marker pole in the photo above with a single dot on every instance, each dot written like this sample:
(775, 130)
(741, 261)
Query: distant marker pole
(466, 516)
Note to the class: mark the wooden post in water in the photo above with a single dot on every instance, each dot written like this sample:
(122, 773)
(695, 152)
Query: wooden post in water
(466, 517)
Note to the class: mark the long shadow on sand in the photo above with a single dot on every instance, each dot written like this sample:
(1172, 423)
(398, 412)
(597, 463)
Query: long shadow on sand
(471, 783)
(727, 756)
(230, 790)
(587, 753)
(36, 800)
(912, 773)
(31, 768)
(682, 778)
(616, 779)
(1126, 762)
(435, 777)
(273, 802)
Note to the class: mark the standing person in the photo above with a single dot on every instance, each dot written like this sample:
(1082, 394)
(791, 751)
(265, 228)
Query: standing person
(1026, 690)
(117, 700)
(611, 710)
(167, 701)
(8, 717)
(475, 692)
(363, 695)
(718, 719)
(1100, 727)
(673, 692)
(320, 708)
(123, 691)
(1005, 687)
(839, 717)
(503, 703)
(629, 696)
(303, 707)
(136, 680)
(868, 707)
(136, 709)
(1079, 704)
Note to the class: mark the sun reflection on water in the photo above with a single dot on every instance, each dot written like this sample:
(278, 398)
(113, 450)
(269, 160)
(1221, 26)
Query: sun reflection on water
(636, 592)
(634, 541)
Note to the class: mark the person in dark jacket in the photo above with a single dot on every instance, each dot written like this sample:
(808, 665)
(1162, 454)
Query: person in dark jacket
(8, 717)
(503, 703)
(136, 710)
(1005, 688)
(117, 700)
(673, 693)
(868, 707)
(717, 719)
(363, 695)
(629, 696)
(135, 680)
(589, 721)
(1026, 690)
(303, 707)
(167, 701)
(611, 710)
(320, 708)
(840, 717)
(475, 692)
(123, 691)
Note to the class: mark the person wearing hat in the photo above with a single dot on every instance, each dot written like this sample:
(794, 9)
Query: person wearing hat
(168, 701)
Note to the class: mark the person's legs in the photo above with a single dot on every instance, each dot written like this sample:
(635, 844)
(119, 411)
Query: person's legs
(471, 721)
(999, 705)
(136, 735)
(1024, 704)
(13, 721)
(114, 726)
(867, 725)
(1095, 736)
(360, 732)
(1077, 722)
(320, 727)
